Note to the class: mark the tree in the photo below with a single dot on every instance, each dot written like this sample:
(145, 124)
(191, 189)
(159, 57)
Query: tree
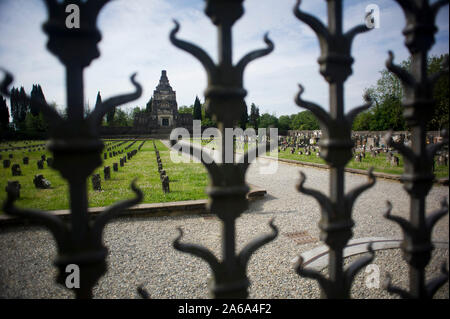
(387, 94)
(197, 114)
(284, 123)
(4, 115)
(254, 116)
(440, 109)
(244, 118)
(266, 120)
(110, 114)
(186, 109)
(121, 118)
(304, 120)
(36, 95)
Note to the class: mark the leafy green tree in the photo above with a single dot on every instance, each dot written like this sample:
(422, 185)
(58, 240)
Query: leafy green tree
(186, 109)
(266, 120)
(36, 95)
(387, 94)
(197, 112)
(254, 116)
(440, 109)
(304, 120)
(284, 123)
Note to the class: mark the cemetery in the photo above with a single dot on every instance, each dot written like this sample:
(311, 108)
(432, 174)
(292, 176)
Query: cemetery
(344, 201)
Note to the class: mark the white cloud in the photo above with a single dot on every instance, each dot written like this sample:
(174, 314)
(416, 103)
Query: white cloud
(136, 38)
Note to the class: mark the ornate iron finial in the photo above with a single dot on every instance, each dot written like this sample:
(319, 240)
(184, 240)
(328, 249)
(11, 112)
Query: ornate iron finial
(335, 144)
(76, 146)
(225, 102)
(418, 174)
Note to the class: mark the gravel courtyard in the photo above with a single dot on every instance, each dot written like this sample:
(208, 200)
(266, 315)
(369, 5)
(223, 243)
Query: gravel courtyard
(141, 250)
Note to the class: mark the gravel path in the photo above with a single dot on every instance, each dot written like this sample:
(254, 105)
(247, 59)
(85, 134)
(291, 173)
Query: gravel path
(141, 248)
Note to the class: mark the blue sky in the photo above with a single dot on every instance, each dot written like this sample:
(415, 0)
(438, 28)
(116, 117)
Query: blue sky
(135, 39)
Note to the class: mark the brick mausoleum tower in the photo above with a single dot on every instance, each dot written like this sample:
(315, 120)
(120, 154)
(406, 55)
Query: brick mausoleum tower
(162, 114)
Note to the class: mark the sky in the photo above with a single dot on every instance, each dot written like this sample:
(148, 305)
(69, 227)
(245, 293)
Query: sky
(135, 38)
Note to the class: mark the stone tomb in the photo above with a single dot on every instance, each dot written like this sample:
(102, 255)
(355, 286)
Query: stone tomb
(40, 182)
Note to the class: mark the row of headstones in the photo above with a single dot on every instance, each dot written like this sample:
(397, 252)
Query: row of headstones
(15, 168)
(115, 153)
(96, 179)
(307, 150)
(13, 187)
(12, 148)
(110, 148)
(162, 173)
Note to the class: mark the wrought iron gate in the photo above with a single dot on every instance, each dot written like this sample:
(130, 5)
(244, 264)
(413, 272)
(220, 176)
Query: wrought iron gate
(77, 147)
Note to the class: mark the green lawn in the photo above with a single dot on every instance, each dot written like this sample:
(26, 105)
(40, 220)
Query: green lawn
(379, 163)
(187, 180)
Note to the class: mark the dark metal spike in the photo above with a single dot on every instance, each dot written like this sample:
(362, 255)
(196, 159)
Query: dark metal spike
(314, 23)
(56, 226)
(196, 250)
(247, 251)
(351, 196)
(143, 292)
(7, 80)
(100, 110)
(197, 52)
(311, 274)
(405, 77)
(323, 200)
(357, 265)
(116, 209)
(433, 218)
(403, 223)
(387, 285)
(255, 54)
(318, 111)
(436, 283)
(351, 115)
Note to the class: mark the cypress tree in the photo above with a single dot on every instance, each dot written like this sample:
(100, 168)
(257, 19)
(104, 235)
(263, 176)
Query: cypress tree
(4, 114)
(197, 109)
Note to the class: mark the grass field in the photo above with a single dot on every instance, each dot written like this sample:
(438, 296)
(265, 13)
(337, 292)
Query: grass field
(187, 180)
